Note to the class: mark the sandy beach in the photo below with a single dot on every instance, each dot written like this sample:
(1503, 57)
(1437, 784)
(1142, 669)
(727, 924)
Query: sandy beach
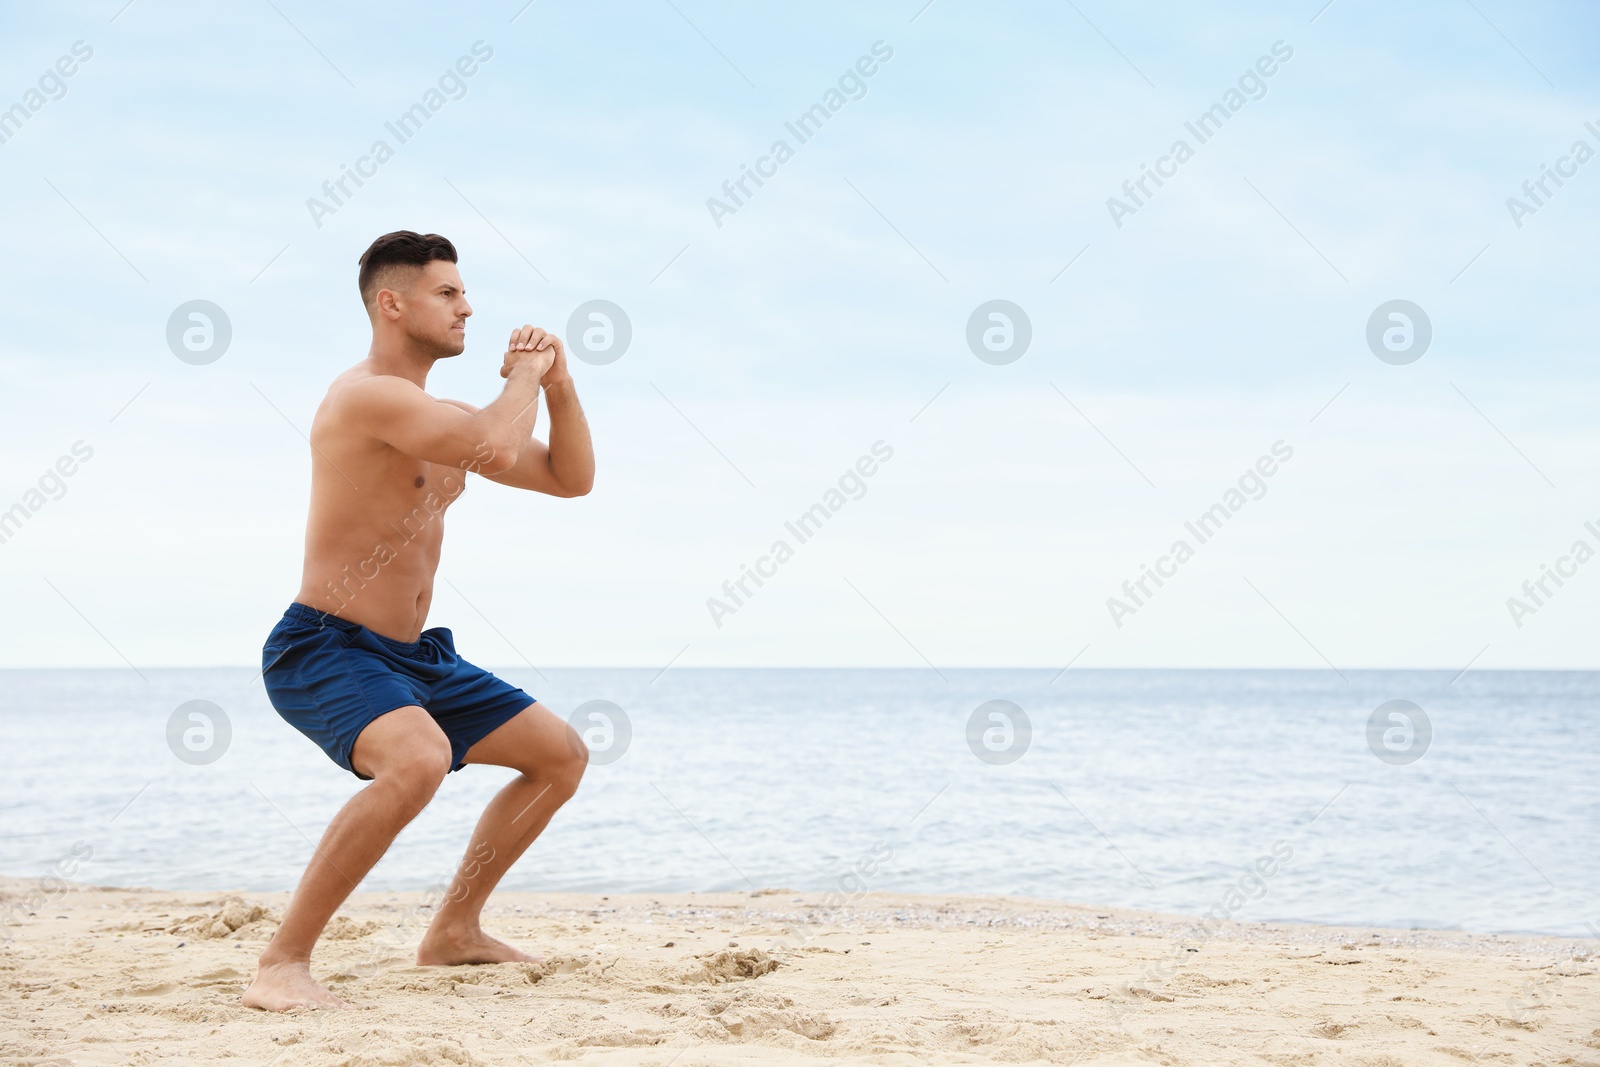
(110, 976)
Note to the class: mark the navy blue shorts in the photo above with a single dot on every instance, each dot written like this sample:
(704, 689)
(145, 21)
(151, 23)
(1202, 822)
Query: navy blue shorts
(329, 677)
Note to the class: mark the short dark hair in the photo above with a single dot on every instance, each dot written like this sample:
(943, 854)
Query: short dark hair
(403, 249)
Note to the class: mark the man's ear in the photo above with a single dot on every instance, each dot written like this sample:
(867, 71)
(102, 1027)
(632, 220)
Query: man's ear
(388, 302)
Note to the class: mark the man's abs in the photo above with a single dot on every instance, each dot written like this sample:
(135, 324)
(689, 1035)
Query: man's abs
(381, 580)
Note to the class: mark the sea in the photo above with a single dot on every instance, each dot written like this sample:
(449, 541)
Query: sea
(1389, 799)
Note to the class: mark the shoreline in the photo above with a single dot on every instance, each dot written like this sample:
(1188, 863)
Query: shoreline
(12, 886)
(105, 974)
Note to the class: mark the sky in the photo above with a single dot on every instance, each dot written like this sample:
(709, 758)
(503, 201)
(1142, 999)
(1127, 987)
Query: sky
(1183, 338)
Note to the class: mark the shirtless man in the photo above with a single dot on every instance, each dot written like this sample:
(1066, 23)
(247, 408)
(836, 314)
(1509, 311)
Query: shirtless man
(350, 665)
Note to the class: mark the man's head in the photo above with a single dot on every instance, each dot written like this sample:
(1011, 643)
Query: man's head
(410, 284)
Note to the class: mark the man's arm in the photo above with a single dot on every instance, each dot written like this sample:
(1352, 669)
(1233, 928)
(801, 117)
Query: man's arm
(489, 440)
(565, 467)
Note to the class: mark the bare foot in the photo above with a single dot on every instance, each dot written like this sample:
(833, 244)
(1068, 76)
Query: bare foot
(282, 986)
(446, 948)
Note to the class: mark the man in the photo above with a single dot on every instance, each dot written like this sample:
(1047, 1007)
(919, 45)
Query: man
(350, 665)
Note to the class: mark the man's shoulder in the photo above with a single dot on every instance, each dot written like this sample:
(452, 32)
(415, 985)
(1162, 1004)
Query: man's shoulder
(361, 389)
(357, 402)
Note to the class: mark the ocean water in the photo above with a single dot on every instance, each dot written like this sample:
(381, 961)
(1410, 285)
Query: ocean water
(1260, 792)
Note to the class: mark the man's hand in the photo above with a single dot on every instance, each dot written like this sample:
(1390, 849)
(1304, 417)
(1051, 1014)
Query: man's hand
(533, 346)
(557, 371)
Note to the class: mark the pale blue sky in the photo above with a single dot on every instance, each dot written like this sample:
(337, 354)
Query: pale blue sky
(771, 352)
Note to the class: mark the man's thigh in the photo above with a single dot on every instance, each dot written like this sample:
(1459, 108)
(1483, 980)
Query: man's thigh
(402, 736)
(534, 740)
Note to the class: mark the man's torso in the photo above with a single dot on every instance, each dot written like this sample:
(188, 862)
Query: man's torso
(375, 524)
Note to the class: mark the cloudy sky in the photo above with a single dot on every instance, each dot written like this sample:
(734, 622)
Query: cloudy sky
(1176, 339)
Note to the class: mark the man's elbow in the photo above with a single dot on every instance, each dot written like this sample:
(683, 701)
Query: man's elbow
(494, 457)
(574, 485)
(572, 489)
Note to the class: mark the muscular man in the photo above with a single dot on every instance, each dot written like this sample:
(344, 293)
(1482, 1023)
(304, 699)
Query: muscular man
(350, 666)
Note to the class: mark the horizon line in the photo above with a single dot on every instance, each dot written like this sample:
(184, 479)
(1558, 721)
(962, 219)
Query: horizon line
(852, 667)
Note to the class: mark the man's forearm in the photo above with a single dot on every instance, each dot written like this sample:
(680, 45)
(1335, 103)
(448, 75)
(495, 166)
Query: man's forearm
(508, 421)
(571, 450)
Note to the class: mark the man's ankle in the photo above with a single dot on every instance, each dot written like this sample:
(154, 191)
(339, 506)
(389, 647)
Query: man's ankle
(451, 927)
(277, 957)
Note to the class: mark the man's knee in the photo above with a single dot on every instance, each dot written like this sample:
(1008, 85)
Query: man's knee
(565, 772)
(416, 767)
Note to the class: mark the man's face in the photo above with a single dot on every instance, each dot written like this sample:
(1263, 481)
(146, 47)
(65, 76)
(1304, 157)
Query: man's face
(434, 309)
